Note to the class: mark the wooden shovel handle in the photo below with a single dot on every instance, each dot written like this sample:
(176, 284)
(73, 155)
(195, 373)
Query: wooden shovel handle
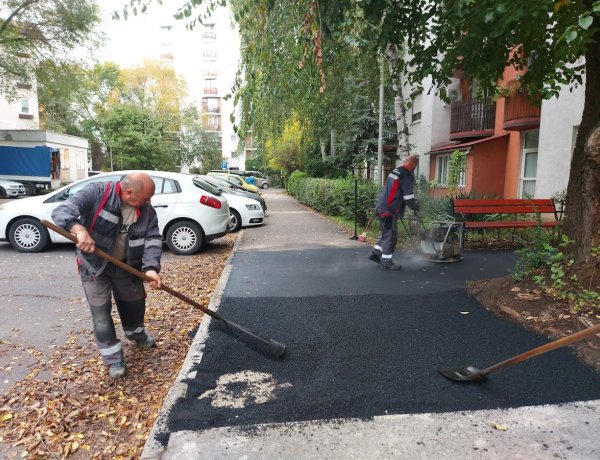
(135, 272)
(572, 338)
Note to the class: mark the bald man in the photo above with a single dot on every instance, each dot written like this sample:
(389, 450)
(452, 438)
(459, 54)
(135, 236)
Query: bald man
(396, 195)
(118, 218)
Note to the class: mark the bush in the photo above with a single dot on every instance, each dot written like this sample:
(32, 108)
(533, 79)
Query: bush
(335, 197)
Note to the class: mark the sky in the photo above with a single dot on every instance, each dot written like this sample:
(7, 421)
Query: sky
(132, 40)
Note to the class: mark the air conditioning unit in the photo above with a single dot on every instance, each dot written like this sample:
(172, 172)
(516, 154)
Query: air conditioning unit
(453, 90)
(454, 95)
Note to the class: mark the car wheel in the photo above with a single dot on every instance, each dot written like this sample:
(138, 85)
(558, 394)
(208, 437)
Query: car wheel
(2, 192)
(185, 238)
(29, 189)
(265, 186)
(28, 235)
(236, 221)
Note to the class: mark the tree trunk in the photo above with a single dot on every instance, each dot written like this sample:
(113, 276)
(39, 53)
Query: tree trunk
(333, 140)
(582, 210)
(402, 132)
(323, 150)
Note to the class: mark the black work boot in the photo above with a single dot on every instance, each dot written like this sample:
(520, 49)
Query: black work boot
(375, 256)
(390, 265)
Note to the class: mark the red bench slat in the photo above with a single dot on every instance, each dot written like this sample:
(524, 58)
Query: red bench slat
(511, 224)
(508, 202)
(503, 209)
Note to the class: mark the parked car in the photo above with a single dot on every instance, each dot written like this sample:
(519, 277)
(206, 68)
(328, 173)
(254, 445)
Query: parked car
(189, 214)
(244, 211)
(262, 181)
(10, 188)
(231, 188)
(235, 179)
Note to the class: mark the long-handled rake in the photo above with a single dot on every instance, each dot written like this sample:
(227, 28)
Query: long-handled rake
(269, 347)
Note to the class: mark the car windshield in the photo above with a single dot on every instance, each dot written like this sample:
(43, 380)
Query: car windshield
(206, 186)
(221, 185)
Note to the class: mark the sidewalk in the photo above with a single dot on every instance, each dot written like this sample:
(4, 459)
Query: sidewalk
(359, 379)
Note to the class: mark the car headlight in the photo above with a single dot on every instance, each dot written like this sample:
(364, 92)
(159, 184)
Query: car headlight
(253, 207)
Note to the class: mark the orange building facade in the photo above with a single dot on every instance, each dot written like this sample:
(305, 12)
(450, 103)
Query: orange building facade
(499, 138)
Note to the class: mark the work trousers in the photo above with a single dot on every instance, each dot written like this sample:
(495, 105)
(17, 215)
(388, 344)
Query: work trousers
(130, 298)
(389, 236)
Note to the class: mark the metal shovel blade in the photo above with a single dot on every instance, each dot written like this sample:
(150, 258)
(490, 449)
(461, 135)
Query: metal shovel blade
(461, 375)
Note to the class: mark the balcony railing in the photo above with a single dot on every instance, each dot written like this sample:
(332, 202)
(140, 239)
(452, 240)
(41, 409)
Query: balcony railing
(210, 90)
(472, 118)
(210, 109)
(520, 112)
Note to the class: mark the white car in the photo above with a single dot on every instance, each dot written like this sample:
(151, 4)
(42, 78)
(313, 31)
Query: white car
(245, 212)
(10, 188)
(189, 213)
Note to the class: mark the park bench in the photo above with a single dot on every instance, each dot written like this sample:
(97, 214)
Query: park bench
(523, 213)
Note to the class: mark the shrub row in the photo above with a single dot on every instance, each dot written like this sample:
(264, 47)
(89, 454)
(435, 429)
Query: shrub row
(335, 197)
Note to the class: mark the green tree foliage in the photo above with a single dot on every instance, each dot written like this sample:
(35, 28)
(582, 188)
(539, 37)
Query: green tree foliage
(71, 95)
(32, 31)
(138, 139)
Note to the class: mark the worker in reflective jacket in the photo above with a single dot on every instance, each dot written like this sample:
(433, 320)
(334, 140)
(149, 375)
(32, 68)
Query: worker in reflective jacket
(396, 195)
(119, 219)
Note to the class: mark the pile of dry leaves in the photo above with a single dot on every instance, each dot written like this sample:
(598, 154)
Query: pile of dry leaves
(79, 411)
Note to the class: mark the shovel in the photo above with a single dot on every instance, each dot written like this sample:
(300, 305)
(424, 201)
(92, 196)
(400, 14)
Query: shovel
(470, 373)
(266, 346)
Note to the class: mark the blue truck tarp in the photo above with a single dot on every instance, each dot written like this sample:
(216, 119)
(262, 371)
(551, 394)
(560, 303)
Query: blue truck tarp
(26, 161)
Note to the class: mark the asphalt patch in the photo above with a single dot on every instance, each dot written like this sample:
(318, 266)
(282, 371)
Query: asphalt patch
(370, 355)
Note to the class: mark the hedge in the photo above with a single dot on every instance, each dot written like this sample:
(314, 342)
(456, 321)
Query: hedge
(335, 197)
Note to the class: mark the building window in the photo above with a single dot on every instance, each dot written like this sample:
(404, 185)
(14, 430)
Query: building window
(210, 55)
(441, 173)
(24, 105)
(213, 122)
(529, 160)
(416, 109)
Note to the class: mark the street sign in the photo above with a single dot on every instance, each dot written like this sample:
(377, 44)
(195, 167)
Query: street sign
(224, 165)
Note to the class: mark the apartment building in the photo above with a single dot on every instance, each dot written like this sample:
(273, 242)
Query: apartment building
(515, 146)
(207, 58)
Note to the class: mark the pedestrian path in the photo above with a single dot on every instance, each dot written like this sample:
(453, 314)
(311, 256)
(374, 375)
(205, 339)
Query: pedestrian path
(359, 379)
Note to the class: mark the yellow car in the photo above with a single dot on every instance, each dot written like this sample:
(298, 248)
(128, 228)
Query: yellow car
(235, 180)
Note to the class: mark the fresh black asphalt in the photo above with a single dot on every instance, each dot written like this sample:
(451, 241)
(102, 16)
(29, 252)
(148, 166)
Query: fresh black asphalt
(364, 342)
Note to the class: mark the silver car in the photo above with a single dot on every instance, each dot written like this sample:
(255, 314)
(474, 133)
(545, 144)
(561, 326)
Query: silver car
(11, 189)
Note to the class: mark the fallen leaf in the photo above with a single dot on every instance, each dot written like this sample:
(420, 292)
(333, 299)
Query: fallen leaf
(499, 426)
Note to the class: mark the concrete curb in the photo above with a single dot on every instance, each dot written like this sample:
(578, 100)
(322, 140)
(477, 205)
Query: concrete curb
(154, 449)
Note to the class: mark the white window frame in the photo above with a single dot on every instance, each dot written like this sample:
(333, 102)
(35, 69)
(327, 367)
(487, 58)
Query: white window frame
(416, 108)
(524, 153)
(25, 106)
(462, 177)
(442, 169)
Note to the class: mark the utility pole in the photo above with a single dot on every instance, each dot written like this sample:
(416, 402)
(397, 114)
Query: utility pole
(379, 178)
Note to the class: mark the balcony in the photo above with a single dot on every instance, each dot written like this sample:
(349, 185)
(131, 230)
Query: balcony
(210, 90)
(520, 113)
(206, 108)
(472, 118)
